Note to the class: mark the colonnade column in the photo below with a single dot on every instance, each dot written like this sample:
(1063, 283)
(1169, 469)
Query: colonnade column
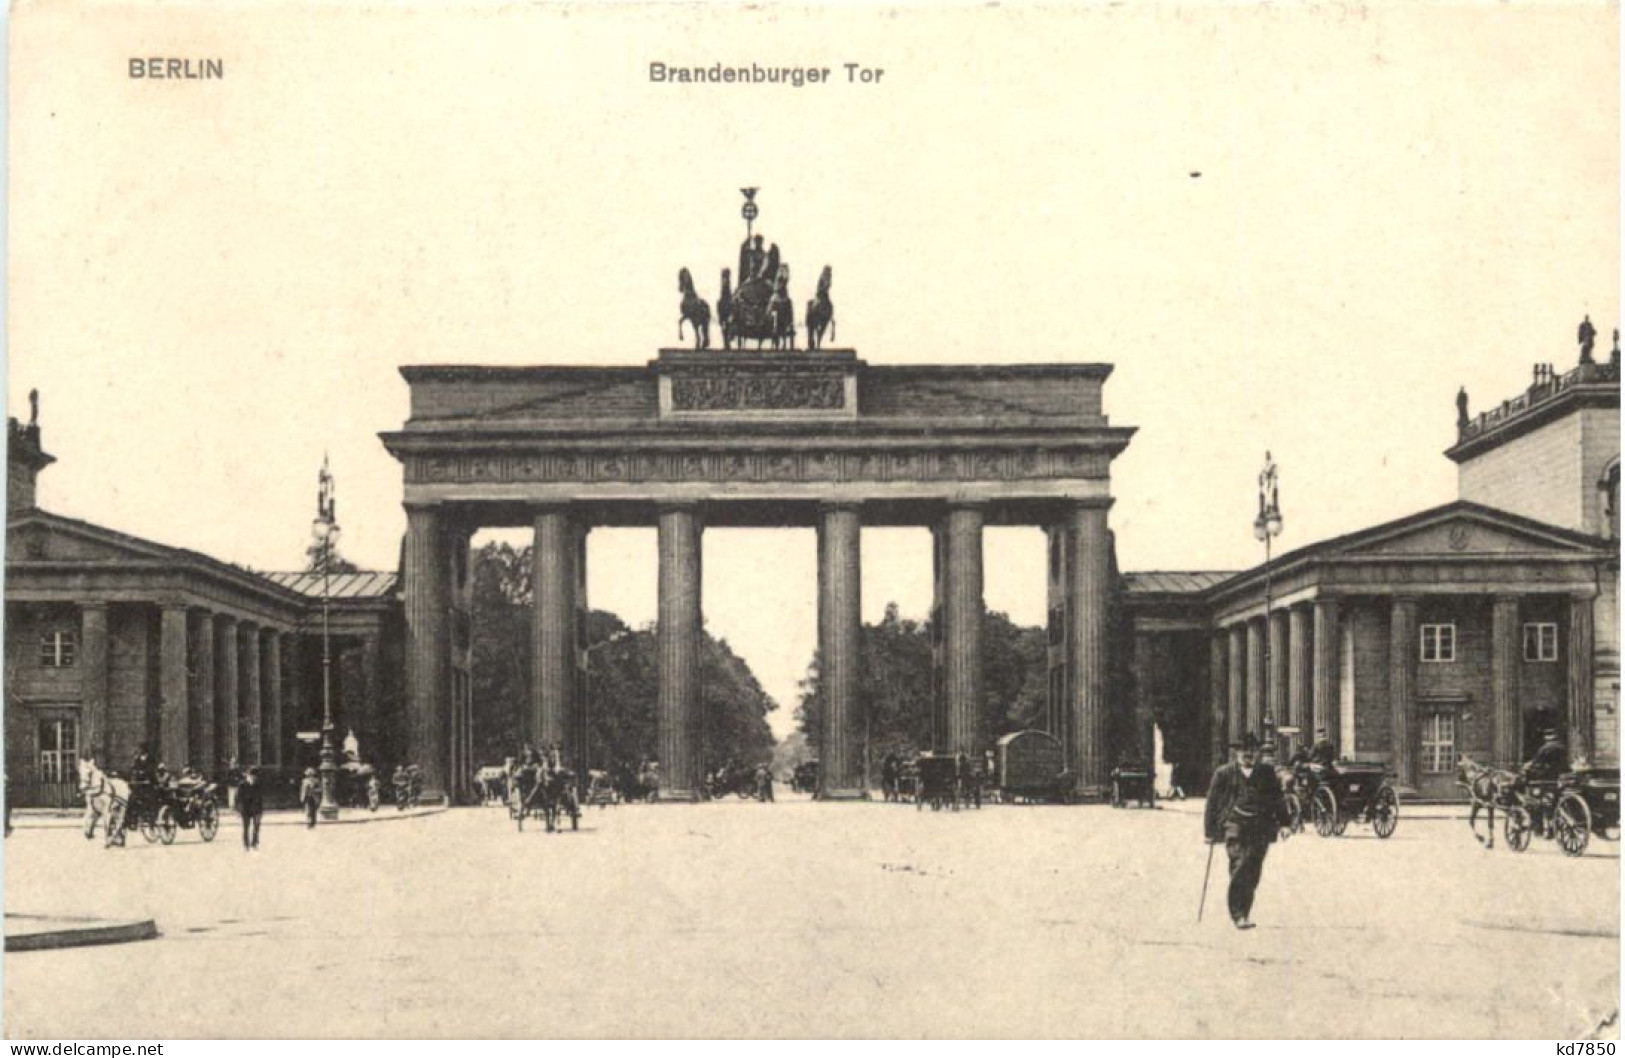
(1582, 692)
(1300, 693)
(839, 625)
(1325, 668)
(1088, 575)
(677, 634)
(271, 670)
(1402, 656)
(962, 629)
(93, 673)
(174, 732)
(293, 694)
(1218, 693)
(1237, 673)
(553, 627)
(1280, 669)
(428, 644)
(248, 635)
(1254, 726)
(1508, 716)
(227, 696)
(202, 694)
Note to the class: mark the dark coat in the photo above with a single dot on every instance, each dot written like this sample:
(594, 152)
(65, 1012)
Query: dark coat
(251, 799)
(1550, 761)
(1249, 807)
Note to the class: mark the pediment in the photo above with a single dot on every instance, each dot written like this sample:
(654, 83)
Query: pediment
(1467, 530)
(45, 538)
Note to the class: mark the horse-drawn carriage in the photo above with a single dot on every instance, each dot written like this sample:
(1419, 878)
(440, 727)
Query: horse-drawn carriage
(1030, 766)
(1351, 791)
(938, 781)
(805, 778)
(548, 793)
(1567, 810)
(732, 778)
(1133, 780)
(600, 790)
(185, 808)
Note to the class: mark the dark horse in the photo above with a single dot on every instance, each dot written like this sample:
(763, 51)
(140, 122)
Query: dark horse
(693, 310)
(820, 312)
(725, 310)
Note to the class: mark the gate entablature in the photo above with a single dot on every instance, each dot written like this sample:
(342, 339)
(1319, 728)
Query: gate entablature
(757, 426)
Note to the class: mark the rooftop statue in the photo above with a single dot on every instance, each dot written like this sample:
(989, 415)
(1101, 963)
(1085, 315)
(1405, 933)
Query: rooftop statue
(820, 313)
(759, 307)
(1461, 408)
(1588, 339)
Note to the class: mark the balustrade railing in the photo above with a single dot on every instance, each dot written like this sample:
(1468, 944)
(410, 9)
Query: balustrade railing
(1537, 395)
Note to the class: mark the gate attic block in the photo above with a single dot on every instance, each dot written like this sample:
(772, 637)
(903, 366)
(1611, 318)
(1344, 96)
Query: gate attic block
(771, 438)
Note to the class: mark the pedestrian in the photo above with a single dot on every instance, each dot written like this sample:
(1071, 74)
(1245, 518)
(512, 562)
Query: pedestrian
(1245, 810)
(310, 797)
(234, 779)
(251, 804)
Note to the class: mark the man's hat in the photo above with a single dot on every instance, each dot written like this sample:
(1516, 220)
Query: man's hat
(1550, 734)
(310, 773)
(1237, 743)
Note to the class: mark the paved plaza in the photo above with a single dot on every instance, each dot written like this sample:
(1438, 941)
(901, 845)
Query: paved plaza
(804, 919)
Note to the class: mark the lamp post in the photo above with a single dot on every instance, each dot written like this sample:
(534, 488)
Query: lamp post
(326, 531)
(1266, 527)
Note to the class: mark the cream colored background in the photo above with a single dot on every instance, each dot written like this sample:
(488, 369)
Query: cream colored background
(213, 282)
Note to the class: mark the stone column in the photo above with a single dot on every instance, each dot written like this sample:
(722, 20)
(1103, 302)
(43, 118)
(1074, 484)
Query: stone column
(1088, 588)
(553, 627)
(1255, 679)
(1327, 636)
(1140, 665)
(839, 602)
(1218, 695)
(93, 673)
(962, 629)
(271, 669)
(428, 644)
(1300, 685)
(227, 692)
(202, 694)
(370, 730)
(249, 644)
(1236, 671)
(1506, 708)
(1277, 688)
(1582, 687)
(1403, 648)
(174, 731)
(677, 635)
(293, 695)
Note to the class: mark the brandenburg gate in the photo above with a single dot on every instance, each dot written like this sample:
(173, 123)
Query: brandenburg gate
(779, 437)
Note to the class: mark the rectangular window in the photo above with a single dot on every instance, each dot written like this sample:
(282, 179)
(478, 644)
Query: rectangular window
(1439, 642)
(1439, 743)
(1540, 642)
(57, 649)
(58, 751)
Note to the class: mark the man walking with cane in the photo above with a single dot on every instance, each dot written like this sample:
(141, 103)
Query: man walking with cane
(1245, 810)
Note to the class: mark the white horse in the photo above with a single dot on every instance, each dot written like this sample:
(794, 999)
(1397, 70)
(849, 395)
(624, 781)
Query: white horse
(106, 799)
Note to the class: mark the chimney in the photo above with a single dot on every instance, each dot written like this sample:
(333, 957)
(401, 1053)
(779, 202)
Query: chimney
(25, 458)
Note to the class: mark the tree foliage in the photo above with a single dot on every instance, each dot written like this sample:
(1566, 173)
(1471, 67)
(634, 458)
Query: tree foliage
(622, 673)
(895, 682)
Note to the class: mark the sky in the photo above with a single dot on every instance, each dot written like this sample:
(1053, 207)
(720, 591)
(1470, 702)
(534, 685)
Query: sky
(1296, 229)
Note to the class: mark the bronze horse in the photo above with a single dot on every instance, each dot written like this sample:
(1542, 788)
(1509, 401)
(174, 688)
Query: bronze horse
(693, 310)
(820, 313)
(725, 310)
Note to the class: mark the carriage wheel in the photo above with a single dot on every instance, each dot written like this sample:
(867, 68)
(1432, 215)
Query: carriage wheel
(149, 827)
(1519, 828)
(1385, 813)
(1572, 824)
(1323, 810)
(208, 824)
(166, 825)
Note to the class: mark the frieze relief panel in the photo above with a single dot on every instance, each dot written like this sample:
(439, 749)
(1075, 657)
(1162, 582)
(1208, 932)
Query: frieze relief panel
(928, 465)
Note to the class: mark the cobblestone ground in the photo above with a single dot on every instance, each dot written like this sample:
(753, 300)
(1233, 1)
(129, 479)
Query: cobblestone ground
(800, 919)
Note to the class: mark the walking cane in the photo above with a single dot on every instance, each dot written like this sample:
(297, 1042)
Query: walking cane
(1205, 876)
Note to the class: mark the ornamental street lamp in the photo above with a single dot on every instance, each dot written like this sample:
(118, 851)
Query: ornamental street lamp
(325, 529)
(1266, 527)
